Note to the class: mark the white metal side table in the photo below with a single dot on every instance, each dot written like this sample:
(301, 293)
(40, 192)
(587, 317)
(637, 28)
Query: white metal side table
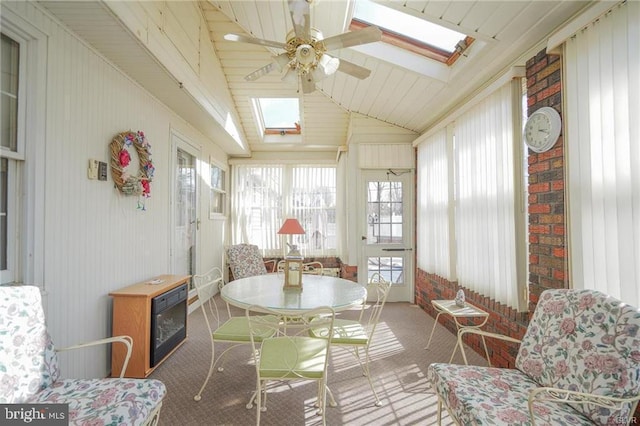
(450, 308)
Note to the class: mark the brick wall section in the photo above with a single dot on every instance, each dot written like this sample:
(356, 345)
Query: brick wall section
(547, 238)
(502, 319)
(547, 254)
(349, 272)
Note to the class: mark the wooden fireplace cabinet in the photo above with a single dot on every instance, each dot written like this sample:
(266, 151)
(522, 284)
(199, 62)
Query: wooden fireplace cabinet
(132, 317)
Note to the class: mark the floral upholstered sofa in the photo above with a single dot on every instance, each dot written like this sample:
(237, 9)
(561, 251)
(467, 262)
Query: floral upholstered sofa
(578, 364)
(29, 372)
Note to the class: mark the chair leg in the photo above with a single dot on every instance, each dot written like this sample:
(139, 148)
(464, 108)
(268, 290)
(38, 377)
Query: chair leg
(332, 400)
(365, 367)
(198, 396)
(212, 365)
(252, 400)
(258, 402)
(439, 411)
(365, 372)
(260, 396)
(323, 400)
(319, 398)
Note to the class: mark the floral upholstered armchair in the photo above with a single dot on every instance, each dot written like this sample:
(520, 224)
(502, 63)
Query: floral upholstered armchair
(245, 260)
(578, 364)
(29, 371)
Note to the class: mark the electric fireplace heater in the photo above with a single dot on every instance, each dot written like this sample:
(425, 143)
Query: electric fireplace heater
(168, 322)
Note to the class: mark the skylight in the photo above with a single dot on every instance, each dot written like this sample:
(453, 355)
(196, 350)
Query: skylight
(277, 116)
(280, 113)
(409, 32)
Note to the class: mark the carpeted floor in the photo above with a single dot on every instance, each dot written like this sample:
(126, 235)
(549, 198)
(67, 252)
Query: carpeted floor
(398, 364)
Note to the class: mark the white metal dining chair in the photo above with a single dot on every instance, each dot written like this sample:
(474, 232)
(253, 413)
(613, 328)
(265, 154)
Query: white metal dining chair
(235, 330)
(356, 335)
(295, 355)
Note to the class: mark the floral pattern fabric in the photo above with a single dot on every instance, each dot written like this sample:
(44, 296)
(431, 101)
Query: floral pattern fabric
(29, 371)
(105, 401)
(245, 261)
(577, 340)
(495, 396)
(584, 341)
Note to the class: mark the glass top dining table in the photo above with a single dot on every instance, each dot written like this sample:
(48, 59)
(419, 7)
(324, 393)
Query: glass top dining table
(317, 290)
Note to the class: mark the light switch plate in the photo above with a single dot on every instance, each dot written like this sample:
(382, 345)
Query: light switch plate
(92, 171)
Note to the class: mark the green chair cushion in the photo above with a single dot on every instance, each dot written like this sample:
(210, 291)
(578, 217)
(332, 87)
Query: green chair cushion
(293, 357)
(345, 332)
(236, 329)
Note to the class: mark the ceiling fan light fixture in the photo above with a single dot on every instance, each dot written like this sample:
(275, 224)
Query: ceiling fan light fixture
(304, 59)
(328, 64)
(305, 54)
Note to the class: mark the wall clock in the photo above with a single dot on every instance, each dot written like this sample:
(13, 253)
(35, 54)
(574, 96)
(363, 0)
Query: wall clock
(542, 129)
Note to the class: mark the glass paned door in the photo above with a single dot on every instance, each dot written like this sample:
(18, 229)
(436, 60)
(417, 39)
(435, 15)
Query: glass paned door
(388, 243)
(185, 214)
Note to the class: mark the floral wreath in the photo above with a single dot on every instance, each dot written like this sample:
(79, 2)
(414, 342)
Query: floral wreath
(140, 183)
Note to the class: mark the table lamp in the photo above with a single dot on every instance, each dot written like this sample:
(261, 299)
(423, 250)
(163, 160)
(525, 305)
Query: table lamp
(291, 227)
(293, 259)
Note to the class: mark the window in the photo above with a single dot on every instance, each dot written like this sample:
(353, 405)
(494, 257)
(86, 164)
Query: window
(218, 194)
(602, 65)
(436, 251)
(264, 195)
(490, 254)
(410, 33)
(470, 227)
(9, 91)
(10, 50)
(22, 138)
(277, 116)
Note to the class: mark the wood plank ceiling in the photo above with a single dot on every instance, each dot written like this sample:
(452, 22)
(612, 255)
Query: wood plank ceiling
(413, 98)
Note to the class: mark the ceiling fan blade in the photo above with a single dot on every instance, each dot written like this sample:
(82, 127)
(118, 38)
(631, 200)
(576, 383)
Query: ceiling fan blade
(253, 40)
(300, 16)
(308, 84)
(353, 38)
(260, 72)
(282, 60)
(290, 76)
(354, 70)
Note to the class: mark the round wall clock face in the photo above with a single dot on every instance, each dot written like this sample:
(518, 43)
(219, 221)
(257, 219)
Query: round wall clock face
(542, 129)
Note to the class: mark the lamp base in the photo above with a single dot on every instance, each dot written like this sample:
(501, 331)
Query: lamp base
(293, 272)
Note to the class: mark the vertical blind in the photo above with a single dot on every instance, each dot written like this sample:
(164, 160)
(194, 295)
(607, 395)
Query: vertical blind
(467, 196)
(602, 64)
(264, 195)
(485, 193)
(434, 233)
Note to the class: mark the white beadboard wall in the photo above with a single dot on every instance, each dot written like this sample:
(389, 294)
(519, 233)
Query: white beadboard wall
(386, 156)
(95, 239)
(380, 145)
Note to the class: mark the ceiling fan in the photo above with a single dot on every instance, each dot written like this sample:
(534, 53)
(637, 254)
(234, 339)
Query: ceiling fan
(305, 56)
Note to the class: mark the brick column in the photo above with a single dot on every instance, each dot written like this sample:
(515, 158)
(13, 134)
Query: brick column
(547, 238)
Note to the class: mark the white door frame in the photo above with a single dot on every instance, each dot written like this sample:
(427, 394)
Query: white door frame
(178, 141)
(403, 291)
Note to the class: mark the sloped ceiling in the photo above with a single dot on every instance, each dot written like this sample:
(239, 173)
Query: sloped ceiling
(410, 97)
(413, 99)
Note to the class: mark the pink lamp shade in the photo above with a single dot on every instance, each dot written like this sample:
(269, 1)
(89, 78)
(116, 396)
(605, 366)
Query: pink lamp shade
(291, 226)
